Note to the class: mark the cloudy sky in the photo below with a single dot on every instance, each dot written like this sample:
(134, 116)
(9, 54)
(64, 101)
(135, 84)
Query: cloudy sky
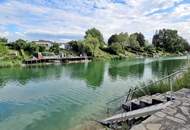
(63, 20)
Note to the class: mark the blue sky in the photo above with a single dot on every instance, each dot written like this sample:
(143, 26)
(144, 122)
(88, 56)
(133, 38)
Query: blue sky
(64, 20)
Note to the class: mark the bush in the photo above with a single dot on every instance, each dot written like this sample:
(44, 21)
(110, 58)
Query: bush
(55, 48)
(116, 49)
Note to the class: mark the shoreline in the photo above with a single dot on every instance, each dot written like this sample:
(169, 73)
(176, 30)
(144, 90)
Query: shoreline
(21, 64)
(180, 81)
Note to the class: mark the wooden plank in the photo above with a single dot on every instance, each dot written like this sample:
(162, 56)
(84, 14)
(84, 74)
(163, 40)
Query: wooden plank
(137, 113)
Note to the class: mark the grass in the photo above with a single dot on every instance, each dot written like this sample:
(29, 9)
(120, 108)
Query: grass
(182, 81)
(10, 63)
(9, 60)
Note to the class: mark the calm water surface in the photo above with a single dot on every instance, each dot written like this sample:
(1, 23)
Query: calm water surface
(63, 97)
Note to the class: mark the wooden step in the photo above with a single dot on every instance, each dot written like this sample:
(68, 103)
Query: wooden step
(136, 113)
(144, 104)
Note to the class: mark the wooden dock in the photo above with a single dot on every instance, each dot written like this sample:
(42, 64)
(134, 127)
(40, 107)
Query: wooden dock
(57, 59)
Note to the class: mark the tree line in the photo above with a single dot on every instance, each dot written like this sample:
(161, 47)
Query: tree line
(93, 43)
(166, 40)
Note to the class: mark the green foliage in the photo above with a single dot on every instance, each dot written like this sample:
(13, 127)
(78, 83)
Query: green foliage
(32, 48)
(170, 41)
(95, 33)
(88, 46)
(118, 38)
(3, 49)
(55, 48)
(116, 48)
(133, 43)
(3, 40)
(164, 86)
(74, 45)
(149, 48)
(41, 48)
(140, 38)
(91, 44)
(77, 46)
(20, 44)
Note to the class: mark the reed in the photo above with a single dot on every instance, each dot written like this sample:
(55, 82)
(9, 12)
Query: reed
(183, 81)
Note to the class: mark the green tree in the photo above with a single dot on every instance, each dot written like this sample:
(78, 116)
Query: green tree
(91, 45)
(140, 38)
(42, 48)
(122, 38)
(3, 40)
(3, 49)
(116, 48)
(133, 43)
(169, 40)
(74, 45)
(55, 48)
(95, 33)
(20, 44)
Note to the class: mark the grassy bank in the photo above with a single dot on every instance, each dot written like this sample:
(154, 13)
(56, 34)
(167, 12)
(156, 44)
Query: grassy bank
(179, 82)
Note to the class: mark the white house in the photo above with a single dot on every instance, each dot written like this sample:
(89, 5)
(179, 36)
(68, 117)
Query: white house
(45, 43)
(64, 46)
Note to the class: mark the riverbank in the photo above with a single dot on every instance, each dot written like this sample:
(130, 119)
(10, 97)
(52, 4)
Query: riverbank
(19, 62)
(174, 116)
(182, 80)
(177, 82)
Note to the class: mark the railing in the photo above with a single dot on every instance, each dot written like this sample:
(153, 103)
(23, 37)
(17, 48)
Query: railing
(114, 106)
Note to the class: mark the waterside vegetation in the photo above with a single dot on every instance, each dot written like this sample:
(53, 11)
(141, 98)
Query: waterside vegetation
(164, 42)
(177, 81)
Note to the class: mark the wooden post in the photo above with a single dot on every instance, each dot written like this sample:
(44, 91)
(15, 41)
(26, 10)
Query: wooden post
(188, 59)
(171, 88)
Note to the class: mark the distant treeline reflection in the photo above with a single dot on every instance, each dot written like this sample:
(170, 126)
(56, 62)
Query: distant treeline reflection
(92, 73)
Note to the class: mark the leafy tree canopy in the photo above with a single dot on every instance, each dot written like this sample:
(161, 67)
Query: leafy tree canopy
(133, 42)
(169, 40)
(140, 38)
(20, 44)
(118, 38)
(117, 48)
(55, 48)
(95, 33)
(3, 40)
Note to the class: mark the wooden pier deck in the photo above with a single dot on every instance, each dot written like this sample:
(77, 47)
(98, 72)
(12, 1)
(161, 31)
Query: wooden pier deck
(54, 59)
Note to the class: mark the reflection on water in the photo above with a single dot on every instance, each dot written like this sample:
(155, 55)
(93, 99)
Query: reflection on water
(63, 97)
(92, 72)
(126, 68)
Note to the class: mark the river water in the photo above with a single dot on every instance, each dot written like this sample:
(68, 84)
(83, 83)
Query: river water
(64, 97)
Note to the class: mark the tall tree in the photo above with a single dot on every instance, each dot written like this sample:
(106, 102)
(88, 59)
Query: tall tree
(20, 44)
(140, 38)
(133, 43)
(95, 33)
(169, 40)
(118, 38)
(3, 40)
(55, 48)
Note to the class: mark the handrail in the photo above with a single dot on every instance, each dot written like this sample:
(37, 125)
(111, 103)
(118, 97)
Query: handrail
(134, 89)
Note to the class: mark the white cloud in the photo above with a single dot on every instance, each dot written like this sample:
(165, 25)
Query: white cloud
(182, 10)
(62, 19)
